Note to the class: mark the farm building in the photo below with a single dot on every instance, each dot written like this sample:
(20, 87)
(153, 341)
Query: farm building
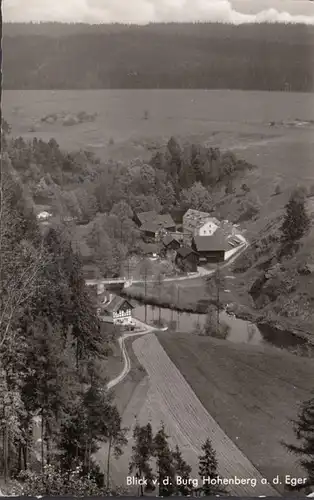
(198, 223)
(211, 248)
(169, 246)
(187, 259)
(115, 309)
(170, 242)
(151, 223)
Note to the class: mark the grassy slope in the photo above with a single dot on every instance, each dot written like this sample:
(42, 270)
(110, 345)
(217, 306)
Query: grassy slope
(251, 392)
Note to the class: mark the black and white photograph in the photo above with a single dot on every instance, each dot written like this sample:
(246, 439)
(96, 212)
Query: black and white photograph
(157, 248)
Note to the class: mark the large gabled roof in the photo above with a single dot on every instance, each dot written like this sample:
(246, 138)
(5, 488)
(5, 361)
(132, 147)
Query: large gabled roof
(146, 216)
(152, 220)
(213, 243)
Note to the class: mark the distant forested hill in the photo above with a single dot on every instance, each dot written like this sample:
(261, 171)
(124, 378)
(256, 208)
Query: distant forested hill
(79, 56)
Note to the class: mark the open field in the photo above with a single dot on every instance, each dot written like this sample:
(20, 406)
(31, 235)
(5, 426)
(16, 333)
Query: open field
(252, 392)
(170, 399)
(224, 118)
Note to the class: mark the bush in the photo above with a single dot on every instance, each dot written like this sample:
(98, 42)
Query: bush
(54, 481)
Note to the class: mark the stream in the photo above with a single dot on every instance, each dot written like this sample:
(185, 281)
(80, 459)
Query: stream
(240, 331)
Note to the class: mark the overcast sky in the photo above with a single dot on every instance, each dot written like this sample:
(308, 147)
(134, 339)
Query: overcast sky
(144, 11)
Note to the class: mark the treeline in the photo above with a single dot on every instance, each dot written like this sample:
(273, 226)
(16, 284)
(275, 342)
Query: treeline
(250, 57)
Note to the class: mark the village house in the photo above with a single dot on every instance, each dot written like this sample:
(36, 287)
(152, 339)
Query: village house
(211, 248)
(115, 309)
(196, 223)
(169, 246)
(151, 223)
(187, 259)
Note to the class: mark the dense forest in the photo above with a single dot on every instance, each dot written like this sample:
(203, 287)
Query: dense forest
(201, 55)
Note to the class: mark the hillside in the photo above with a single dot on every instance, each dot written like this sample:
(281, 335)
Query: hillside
(252, 57)
(281, 289)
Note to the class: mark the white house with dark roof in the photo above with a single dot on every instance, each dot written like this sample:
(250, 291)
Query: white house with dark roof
(197, 223)
(115, 309)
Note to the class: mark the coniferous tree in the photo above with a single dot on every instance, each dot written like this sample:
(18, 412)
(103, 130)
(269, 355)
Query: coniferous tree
(296, 221)
(183, 470)
(165, 465)
(142, 453)
(208, 465)
(304, 431)
(116, 439)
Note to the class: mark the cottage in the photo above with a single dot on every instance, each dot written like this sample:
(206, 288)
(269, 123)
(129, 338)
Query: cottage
(210, 248)
(151, 223)
(196, 223)
(115, 309)
(142, 217)
(187, 259)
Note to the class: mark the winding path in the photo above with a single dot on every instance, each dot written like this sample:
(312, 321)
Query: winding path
(126, 360)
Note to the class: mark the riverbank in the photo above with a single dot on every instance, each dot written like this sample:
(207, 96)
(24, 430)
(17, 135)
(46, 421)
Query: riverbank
(192, 296)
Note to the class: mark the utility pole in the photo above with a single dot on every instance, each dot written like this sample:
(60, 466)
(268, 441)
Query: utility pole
(145, 295)
(178, 298)
(218, 296)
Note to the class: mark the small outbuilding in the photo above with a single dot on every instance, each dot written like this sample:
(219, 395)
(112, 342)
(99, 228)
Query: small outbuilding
(187, 259)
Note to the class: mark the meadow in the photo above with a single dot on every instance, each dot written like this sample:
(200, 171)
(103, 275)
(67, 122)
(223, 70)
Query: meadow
(229, 119)
(251, 392)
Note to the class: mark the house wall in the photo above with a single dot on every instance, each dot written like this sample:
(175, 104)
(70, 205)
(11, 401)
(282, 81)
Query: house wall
(206, 229)
(122, 314)
(212, 256)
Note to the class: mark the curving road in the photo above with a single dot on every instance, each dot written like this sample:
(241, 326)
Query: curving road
(126, 359)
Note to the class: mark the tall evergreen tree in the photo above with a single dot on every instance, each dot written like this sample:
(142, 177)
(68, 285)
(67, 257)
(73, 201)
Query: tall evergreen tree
(296, 220)
(165, 465)
(142, 453)
(207, 470)
(304, 431)
(183, 470)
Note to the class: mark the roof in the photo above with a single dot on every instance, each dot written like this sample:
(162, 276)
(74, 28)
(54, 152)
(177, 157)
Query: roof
(185, 251)
(169, 239)
(150, 226)
(152, 217)
(147, 216)
(116, 303)
(196, 218)
(211, 243)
